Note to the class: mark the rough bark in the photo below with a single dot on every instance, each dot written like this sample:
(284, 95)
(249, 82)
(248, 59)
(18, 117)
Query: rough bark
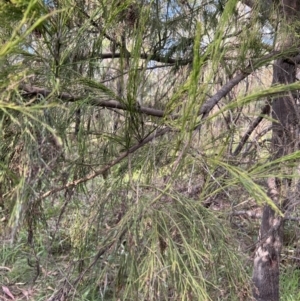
(284, 141)
(284, 111)
(267, 256)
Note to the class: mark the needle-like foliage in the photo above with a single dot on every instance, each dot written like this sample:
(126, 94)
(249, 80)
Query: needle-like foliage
(131, 137)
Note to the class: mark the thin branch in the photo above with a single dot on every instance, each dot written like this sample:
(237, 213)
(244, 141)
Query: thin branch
(210, 103)
(163, 59)
(258, 214)
(264, 7)
(145, 56)
(204, 111)
(248, 213)
(154, 57)
(103, 170)
(138, 69)
(265, 111)
(34, 91)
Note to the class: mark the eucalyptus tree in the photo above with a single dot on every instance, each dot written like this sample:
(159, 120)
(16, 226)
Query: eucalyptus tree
(133, 121)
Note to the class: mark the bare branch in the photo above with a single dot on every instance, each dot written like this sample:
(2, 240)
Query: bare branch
(210, 103)
(265, 111)
(34, 91)
(145, 56)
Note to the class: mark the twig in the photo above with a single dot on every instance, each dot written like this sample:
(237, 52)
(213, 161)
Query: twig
(265, 111)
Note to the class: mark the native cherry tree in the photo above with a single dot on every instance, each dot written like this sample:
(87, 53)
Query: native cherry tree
(143, 141)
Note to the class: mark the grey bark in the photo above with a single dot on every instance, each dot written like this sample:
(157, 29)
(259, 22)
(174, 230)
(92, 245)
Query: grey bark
(267, 256)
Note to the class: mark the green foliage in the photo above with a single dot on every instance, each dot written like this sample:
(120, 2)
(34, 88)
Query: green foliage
(14, 11)
(290, 285)
(110, 178)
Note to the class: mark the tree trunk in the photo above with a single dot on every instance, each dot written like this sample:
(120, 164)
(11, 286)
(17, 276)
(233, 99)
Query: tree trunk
(267, 256)
(284, 138)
